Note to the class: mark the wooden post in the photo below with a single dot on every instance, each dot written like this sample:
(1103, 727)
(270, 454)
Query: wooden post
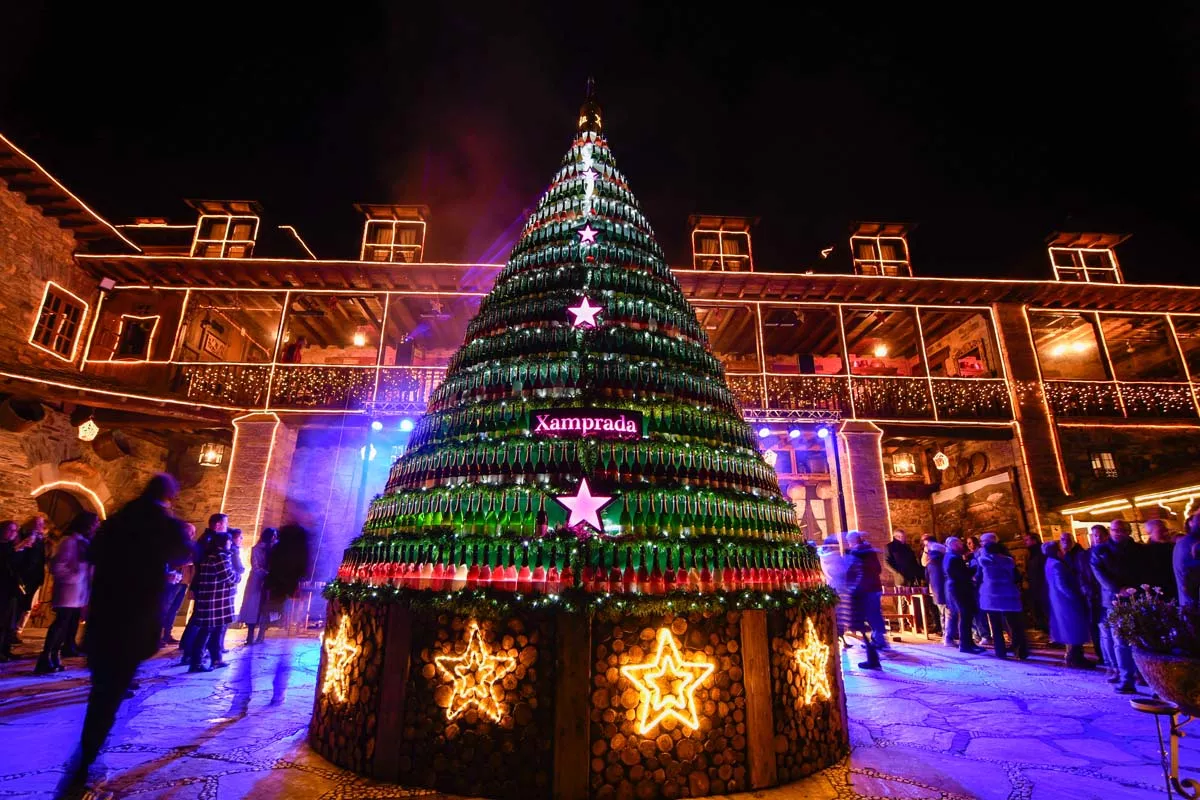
(572, 713)
(760, 717)
(393, 685)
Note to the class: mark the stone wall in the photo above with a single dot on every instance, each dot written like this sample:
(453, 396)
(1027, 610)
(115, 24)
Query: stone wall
(472, 754)
(912, 515)
(1139, 454)
(344, 726)
(809, 736)
(33, 250)
(670, 760)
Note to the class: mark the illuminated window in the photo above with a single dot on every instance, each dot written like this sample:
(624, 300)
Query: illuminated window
(135, 337)
(880, 256)
(394, 240)
(225, 236)
(1104, 465)
(59, 322)
(1090, 265)
(904, 464)
(1140, 348)
(722, 243)
(1068, 346)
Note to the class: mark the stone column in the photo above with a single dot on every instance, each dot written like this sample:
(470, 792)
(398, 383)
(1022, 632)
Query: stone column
(256, 483)
(1038, 446)
(860, 478)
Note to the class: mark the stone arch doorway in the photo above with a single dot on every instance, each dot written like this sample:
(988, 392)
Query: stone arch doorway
(61, 507)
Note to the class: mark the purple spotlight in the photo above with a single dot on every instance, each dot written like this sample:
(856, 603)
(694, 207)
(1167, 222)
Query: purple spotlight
(823, 431)
(376, 425)
(764, 432)
(406, 425)
(794, 433)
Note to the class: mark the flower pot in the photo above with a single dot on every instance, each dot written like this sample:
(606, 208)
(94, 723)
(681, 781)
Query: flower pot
(1173, 678)
(20, 415)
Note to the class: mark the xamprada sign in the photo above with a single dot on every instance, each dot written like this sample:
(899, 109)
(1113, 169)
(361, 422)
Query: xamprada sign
(599, 423)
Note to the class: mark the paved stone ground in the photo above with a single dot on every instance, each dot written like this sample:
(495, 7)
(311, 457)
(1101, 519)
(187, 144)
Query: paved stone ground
(934, 724)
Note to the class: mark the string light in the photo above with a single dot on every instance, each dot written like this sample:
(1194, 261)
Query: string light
(667, 685)
(72, 486)
(473, 675)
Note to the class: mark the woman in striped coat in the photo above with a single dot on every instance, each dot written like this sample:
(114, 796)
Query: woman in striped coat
(214, 587)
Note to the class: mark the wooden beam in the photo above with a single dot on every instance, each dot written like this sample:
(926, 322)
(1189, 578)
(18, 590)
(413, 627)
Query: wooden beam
(393, 686)
(760, 719)
(572, 707)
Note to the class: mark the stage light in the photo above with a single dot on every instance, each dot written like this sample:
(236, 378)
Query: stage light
(823, 432)
(794, 433)
(376, 425)
(406, 425)
(764, 432)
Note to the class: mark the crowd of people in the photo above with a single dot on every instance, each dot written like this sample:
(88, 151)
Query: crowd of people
(984, 598)
(126, 580)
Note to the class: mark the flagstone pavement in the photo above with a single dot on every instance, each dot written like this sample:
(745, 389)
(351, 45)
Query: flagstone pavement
(933, 724)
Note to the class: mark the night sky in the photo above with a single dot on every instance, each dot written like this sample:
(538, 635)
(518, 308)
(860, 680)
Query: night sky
(989, 129)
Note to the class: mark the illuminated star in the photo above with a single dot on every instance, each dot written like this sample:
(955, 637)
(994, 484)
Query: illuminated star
(585, 314)
(340, 653)
(472, 675)
(813, 660)
(591, 175)
(667, 685)
(588, 234)
(584, 507)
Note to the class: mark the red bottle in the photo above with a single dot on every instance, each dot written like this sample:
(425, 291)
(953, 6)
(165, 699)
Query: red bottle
(629, 575)
(538, 578)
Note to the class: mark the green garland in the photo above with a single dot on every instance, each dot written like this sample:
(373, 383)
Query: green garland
(496, 604)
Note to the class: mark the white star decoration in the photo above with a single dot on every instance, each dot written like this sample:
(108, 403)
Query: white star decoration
(472, 674)
(813, 660)
(667, 685)
(584, 507)
(340, 653)
(588, 234)
(585, 314)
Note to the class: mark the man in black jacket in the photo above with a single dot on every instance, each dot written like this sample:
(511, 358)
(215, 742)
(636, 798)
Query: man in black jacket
(1081, 562)
(1185, 560)
(962, 592)
(130, 554)
(866, 595)
(903, 560)
(1118, 564)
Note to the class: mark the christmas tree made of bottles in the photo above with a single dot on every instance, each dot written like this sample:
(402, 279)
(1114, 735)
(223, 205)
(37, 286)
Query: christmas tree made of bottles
(585, 449)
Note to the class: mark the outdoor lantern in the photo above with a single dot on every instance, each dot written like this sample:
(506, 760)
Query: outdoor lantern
(212, 455)
(770, 456)
(941, 460)
(88, 430)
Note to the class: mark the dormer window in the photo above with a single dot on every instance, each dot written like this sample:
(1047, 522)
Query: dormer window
(880, 248)
(394, 234)
(225, 236)
(722, 243)
(1085, 257)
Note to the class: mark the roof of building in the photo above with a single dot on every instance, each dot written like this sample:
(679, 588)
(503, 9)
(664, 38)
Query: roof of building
(43, 191)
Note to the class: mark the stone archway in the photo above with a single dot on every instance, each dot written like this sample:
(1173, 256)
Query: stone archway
(78, 479)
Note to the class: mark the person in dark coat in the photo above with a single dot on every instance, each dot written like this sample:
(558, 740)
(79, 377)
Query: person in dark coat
(1119, 564)
(961, 591)
(863, 571)
(1068, 608)
(10, 587)
(31, 567)
(1000, 596)
(935, 573)
(1185, 561)
(214, 588)
(128, 555)
(902, 559)
(1080, 561)
(253, 612)
(1038, 600)
(1160, 558)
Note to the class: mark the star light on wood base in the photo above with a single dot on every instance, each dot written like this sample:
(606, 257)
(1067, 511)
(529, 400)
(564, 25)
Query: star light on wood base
(340, 652)
(584, 506)
(472, 676)
(813, 660)
(585, 314)
(667, 684)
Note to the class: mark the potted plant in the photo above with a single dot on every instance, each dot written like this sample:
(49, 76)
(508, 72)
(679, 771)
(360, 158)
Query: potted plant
(1166, 643)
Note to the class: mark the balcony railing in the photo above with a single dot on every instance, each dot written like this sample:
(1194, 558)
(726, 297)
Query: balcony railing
(972, 398)
(1084, 398)
(891, 398)
(407, 389)
(1156, 400)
